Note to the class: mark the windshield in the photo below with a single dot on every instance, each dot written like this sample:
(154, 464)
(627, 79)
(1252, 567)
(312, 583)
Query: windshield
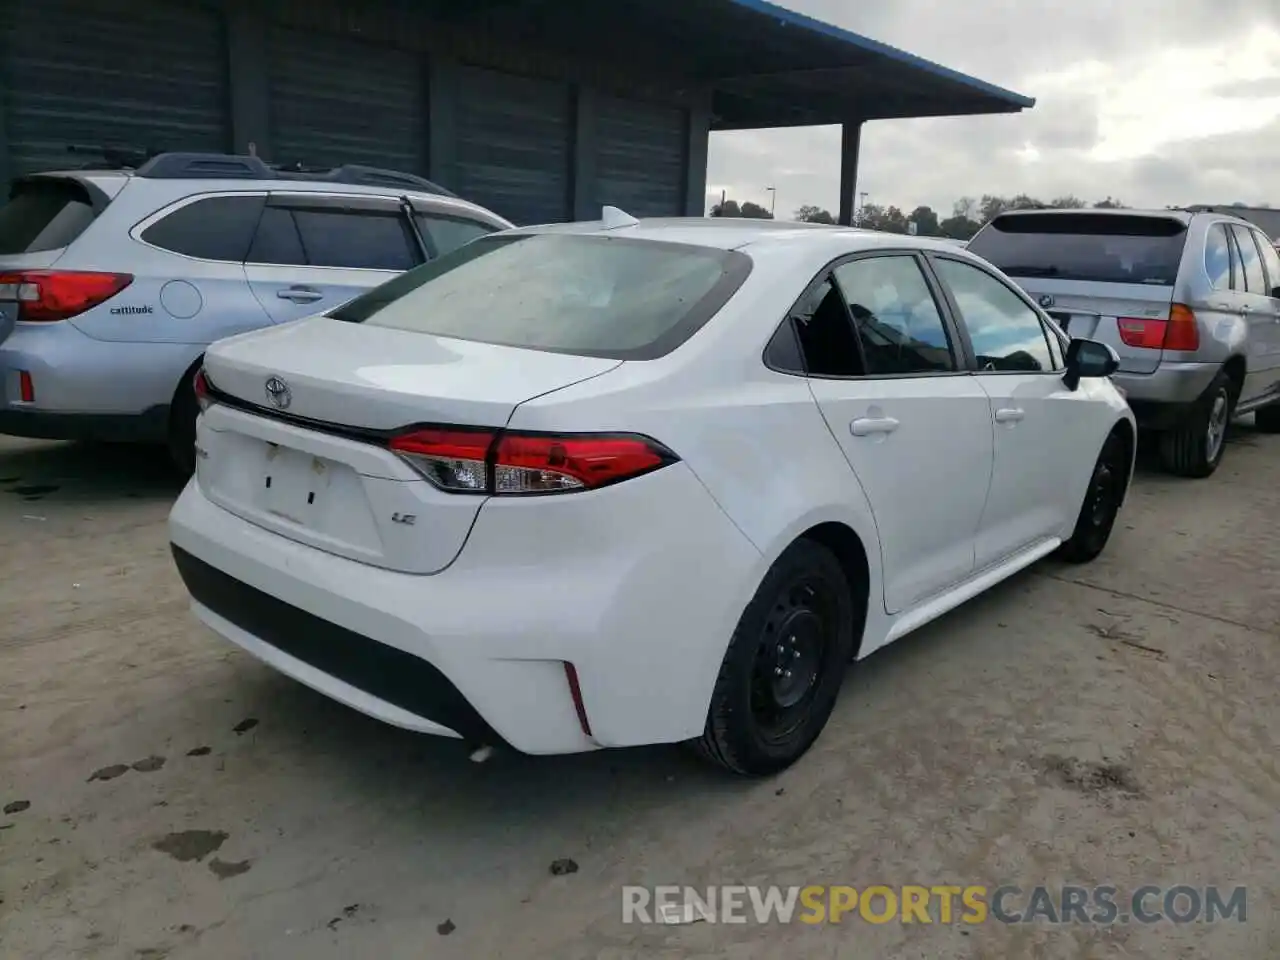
(611, 297)
(1109, 248)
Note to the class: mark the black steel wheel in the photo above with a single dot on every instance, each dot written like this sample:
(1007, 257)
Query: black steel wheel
(1101, 502)
(783, 670)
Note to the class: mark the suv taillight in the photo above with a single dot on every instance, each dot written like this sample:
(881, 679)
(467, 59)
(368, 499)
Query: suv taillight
(45, 296)
(1179, 332)
(510, 463)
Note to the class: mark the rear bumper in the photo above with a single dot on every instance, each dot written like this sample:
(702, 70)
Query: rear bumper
(1159, 399)
(640, 592)
(88, 389)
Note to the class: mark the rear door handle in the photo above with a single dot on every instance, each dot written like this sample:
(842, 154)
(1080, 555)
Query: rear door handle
(1010, 415)
(866, 426)
(300, 294)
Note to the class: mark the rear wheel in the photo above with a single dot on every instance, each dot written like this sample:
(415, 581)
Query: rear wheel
(183, 411)
(1194, 448)
(1101, 504)
(783, 670)
(1267, 420)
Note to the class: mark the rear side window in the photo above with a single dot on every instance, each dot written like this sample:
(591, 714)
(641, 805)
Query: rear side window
(897, 319)
(215, 228)
(357, 241)
(614, 297)
(1250, 260)
(1107, 248)
(1218, 257)
(44, 214)
(447, 234)
(277, 240)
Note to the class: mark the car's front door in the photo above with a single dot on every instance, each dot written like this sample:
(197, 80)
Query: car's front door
(1046, 436)
(313, 253)
(913, 424)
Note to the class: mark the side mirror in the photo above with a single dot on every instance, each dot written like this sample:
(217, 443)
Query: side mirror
(1089, 358)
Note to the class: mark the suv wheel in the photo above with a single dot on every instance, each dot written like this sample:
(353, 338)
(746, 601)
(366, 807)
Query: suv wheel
(1194, 448)
(1267, 420)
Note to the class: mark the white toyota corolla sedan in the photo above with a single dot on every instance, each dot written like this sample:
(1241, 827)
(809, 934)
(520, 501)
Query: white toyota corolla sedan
(633, 482)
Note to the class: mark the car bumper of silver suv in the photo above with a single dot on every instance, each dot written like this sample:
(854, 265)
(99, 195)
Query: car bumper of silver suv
(1159, 399)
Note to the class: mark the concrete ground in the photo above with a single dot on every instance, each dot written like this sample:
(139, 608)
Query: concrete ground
(1112, 723)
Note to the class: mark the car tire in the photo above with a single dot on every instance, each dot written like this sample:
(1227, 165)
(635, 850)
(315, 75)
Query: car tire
(183, 412)
(1267, 419)
(1195, 447)
(1101, 506)
(784, 667)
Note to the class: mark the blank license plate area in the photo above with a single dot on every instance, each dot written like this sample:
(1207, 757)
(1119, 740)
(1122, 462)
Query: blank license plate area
(297, 485)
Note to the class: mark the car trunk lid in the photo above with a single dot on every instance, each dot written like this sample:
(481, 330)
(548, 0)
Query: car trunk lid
(299, 442)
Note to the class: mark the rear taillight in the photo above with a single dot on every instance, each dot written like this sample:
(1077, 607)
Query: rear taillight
(1179, 332)
(44, 296)
(503, 463)
(200, 384)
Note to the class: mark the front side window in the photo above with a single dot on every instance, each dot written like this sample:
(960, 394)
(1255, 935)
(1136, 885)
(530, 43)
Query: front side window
(446, 234)
(613, 297)
(1218, 257)
(896, 318)
(1250, 260)
(1006, 333)
(1271, 261)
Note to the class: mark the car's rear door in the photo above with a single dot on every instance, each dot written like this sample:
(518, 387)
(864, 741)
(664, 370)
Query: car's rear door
(914, 426)
(313, 252)
(1047, 437)
(1260, 313)
(1101, 275)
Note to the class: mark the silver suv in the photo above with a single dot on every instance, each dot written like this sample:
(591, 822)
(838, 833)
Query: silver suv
(113, 281)
(1190, 302)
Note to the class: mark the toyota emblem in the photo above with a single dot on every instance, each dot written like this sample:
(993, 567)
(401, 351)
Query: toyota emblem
(1046, 301)
(278, 393)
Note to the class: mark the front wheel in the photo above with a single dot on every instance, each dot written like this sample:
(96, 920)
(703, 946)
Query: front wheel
(783, 670)
(1101, 504)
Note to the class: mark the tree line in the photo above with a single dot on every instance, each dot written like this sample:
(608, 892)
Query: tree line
(968, 214)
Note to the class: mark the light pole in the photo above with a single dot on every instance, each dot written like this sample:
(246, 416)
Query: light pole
(773, 199)
(863, 196)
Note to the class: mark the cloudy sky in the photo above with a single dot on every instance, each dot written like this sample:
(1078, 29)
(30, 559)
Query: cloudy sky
(1150, 101)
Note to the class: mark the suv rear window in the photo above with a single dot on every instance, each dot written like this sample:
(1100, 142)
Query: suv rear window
(44, 214)
(1109, 248)
(612, 297)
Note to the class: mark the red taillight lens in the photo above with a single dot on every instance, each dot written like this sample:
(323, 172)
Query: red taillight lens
(45, 296)
(1179, 332)
(200, 384)
(498, 463)
(26, 388)
(453, 460)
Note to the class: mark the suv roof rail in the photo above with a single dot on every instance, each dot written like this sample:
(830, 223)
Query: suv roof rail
(195, 166)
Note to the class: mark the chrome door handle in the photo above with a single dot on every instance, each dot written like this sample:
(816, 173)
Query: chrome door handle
(866, 426)
(1010, 415)
(300, 294)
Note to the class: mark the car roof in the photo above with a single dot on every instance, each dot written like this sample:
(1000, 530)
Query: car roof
(733, 233)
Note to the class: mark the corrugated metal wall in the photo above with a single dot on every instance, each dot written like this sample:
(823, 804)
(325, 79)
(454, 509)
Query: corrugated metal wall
(515, 145)
(329, 82)
(336, 100)
(640, 160)
(89, 72)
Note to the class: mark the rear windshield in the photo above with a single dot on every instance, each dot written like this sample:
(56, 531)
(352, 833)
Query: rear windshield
(596, 296)
(44, 215)
(1111, 248)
